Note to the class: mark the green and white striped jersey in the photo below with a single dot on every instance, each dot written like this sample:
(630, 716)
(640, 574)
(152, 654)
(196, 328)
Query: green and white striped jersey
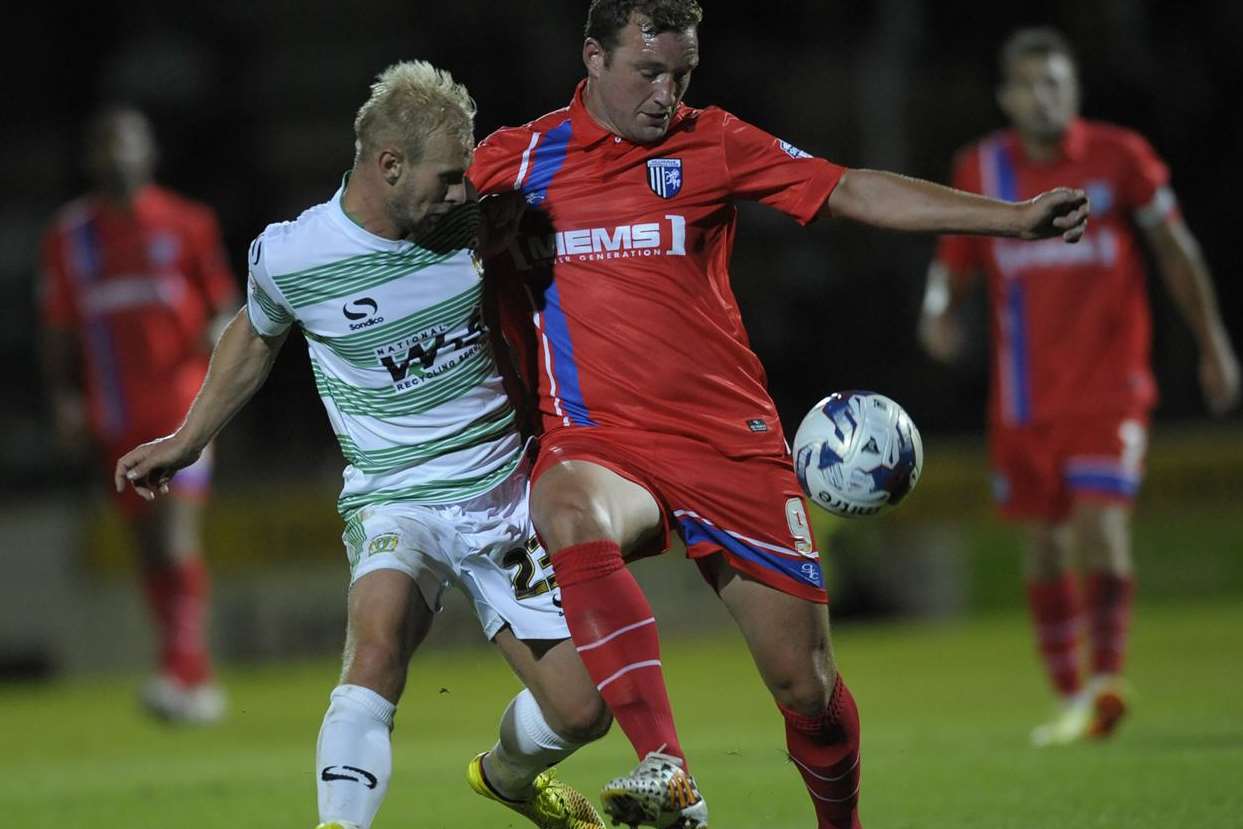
(399, 351)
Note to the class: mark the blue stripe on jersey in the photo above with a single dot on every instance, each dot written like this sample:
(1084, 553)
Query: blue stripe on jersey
(564, 367)
(88, 262)
(804, 570)
(1015, 344)
(549, 156)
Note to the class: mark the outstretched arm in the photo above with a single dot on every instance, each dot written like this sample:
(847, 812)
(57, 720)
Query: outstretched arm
(239, 365)
(1187, 278)
(896, 202)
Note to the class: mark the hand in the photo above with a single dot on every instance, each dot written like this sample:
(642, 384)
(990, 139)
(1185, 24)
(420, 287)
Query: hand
(72, 435)
(149, 467)
(941, 336)
(1219, 376)
(500, 215)
(1059, 212)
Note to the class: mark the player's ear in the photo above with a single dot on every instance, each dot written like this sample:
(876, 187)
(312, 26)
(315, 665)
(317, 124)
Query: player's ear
(595, 57)
(390, 164)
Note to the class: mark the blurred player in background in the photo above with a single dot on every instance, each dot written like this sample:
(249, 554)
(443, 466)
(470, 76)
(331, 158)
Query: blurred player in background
(1072, 388)
(135, 283)
(654, 409)
(384, 282)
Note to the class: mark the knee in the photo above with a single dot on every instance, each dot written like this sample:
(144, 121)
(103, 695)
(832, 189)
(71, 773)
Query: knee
(1047, 555)
(566, 516)
(376, 663)
(805, 691)
(584, 721)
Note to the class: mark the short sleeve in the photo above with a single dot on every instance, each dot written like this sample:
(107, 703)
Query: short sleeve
(962, 256)
(1145, 188)
(57, 305)
(269, 314)
(763, 168)
(211, 264)
(500, 159)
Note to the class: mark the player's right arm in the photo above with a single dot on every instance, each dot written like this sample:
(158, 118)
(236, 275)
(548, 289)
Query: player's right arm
(240, 363)
(60, 353)
(940, 327)
(957, 261)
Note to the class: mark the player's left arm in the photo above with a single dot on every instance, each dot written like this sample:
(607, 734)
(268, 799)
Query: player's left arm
(214, 277)
(1187, 278)
(896, 202)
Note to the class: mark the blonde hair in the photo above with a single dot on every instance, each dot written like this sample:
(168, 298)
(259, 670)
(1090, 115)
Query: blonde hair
(409, 101)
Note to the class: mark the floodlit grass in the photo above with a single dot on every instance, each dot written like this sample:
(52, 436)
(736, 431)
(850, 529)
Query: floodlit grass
(946, 710)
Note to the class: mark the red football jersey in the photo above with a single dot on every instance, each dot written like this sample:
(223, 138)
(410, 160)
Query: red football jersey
(1070, 323)
(624, 253)
(138, 289)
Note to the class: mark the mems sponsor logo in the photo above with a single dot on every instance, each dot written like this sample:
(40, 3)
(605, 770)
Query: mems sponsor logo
(594, 244)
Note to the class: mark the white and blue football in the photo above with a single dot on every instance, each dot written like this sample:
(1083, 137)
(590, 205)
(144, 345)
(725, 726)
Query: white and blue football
(857, 453)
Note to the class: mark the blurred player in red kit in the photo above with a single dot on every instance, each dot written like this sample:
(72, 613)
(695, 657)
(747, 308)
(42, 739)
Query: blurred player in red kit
(1071, 384)
(654, 412)
(134, 282)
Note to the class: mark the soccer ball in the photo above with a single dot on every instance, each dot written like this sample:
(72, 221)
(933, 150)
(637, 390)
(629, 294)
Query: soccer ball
(857, 453)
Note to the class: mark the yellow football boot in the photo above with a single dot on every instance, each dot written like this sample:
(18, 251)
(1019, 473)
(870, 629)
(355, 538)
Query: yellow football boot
(555, 805)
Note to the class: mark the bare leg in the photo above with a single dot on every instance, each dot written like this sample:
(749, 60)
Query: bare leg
(558, 712)
(168, 534)
(789, 641)
(388, 619)
(1102, 537)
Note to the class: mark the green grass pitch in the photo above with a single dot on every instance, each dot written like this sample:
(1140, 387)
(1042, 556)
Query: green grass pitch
(946, 710)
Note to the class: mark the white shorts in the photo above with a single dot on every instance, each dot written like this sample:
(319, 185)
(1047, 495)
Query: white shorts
(486, 546)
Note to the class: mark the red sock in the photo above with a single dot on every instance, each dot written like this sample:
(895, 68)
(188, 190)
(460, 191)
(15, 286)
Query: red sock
(1055, 612)
(615, 631)
(1108, 600)
(177, 595)
(825, 749)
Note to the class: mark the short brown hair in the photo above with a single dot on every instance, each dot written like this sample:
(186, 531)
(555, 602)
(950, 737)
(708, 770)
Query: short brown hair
(606, 18)
(1041, 41)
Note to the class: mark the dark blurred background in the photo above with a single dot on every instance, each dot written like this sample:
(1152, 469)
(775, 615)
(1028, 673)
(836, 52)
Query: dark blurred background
(253, 104)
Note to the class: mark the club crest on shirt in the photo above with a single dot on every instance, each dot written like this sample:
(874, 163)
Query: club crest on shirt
(664, 176)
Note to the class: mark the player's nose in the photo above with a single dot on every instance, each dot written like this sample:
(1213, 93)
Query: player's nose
(665, 92)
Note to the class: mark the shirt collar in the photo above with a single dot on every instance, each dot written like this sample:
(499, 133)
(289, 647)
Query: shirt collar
(589, 131)
(1073, 146)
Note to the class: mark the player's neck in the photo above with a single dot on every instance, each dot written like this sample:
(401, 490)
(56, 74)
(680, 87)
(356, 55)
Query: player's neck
(365, 208)
(1041, 149)
(591, 103)
(120, 198)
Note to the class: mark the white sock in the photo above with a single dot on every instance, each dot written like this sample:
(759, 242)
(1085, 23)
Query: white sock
(354, 755)
(527, 746)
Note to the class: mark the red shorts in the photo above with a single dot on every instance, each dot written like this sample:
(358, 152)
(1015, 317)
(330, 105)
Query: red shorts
(193, 482)
(750, 510)
(1041, 470)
